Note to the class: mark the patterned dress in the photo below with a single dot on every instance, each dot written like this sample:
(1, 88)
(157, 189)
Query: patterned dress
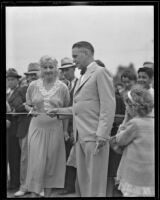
(46, 148)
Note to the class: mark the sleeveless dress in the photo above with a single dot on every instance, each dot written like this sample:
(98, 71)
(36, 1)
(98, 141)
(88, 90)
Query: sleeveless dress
(46, 148)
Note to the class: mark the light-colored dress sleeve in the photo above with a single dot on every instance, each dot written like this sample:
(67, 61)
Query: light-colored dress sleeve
(127, 135)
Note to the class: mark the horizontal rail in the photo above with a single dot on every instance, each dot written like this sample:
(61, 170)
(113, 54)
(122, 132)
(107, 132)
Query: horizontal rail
(23, 113)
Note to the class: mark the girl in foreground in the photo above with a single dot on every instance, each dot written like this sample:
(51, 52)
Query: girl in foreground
(135, 173)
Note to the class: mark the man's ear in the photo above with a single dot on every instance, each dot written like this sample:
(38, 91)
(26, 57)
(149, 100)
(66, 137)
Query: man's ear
(87, 52)
(150, 80)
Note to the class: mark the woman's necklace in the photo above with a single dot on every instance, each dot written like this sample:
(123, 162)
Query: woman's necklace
(49, 84)
(48, 89)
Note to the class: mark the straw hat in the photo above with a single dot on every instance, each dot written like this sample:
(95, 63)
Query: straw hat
(33, 68)
(67, 63)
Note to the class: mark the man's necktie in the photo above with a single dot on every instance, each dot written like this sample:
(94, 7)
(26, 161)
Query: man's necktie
(83, 70)
(70, 86)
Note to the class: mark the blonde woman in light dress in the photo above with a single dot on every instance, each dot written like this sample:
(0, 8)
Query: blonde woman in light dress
(46, 149)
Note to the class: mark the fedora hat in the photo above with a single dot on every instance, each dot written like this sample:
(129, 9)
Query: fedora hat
(67, 63)
(12, 73)
(33, 68)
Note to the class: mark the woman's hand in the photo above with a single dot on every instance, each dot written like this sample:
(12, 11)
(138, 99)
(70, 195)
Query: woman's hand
(27, 107)
(33, 112)
(52, 113)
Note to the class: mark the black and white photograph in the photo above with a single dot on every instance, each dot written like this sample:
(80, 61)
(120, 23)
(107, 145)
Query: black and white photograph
(80, 116)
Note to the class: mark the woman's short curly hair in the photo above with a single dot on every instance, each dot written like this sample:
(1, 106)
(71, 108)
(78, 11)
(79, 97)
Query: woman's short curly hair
(141, 100)
(48, 60)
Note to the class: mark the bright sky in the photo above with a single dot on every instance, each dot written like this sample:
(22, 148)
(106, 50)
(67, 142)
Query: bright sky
(119, 34)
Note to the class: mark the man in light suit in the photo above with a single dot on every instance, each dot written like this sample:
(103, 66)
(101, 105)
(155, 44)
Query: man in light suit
(93, 114)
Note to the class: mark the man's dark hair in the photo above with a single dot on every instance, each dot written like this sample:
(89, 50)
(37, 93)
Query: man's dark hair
(130, 75)
(147, 70)
(84, 44)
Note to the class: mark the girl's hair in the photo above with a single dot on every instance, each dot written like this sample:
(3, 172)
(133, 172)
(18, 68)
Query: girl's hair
(130, 75)
(140, 99)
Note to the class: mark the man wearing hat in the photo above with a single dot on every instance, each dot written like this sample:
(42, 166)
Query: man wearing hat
(13, 149)
(62, 78)
(68, 70)
(22, 132)
(33, 72)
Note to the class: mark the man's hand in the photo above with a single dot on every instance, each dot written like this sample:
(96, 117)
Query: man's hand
(99, 144)
(52, 113)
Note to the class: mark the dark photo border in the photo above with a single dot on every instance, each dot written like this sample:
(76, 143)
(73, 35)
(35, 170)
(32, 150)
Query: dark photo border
(4, 4)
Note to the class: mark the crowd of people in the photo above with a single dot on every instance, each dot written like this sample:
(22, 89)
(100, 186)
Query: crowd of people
(87, 136)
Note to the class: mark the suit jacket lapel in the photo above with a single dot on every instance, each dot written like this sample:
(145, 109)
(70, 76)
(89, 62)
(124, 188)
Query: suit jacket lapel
(86, 77)
(72, 88)
(77, 85)
(12, 97)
